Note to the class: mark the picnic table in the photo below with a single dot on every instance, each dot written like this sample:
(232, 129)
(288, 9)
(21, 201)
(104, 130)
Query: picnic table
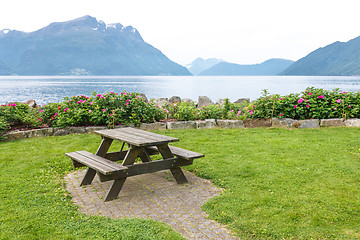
(142, 145)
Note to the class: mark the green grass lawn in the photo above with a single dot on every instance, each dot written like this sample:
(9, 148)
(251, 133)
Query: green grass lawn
(278, 183)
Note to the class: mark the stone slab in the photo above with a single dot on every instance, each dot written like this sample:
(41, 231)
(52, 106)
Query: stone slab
(181, 125)
(258, 122)
(335, 122)
(310, 123)
(230, 123)
(153, 126)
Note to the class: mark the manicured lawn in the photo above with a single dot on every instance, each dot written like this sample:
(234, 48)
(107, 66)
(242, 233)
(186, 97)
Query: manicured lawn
(34, 204)
(279, 183)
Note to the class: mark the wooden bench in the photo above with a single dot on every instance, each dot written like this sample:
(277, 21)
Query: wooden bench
(181, 153)
(99, 164)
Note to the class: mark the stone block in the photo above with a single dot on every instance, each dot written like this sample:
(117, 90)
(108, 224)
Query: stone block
(352, 122)
(43, 132)
(181, 125)
(258, 122)
(94, 128)
(284, 122)
(153, 126)
(335, 122)
(61, 131)
(207, 123)
(15, 135)
(309, 123)
(161, 101)
(230, 123)
(78, 130)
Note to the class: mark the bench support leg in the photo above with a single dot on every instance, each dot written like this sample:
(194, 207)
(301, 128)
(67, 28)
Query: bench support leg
(178, 175)
(114, 189)
(176, 171)
(89, 176)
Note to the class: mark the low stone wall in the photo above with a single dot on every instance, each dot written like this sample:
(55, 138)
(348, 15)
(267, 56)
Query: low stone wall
(208, 123)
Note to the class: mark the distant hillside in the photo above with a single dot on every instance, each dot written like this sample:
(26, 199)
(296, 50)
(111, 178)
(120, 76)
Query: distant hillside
(83, 46)
(199, 65)
(336, 59)
(270, 67)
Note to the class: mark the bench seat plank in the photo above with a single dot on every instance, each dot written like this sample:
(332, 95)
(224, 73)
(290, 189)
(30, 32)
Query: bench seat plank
(95, 162)
(182, 153)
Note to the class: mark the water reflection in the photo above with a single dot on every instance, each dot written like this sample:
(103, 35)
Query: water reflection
(53, 89)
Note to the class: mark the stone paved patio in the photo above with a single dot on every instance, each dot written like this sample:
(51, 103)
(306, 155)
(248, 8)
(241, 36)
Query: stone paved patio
(156, 196)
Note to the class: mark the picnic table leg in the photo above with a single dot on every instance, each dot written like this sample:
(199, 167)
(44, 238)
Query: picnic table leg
(116, 186)
(176, 171)
(144, 156)
(102, 150)
(114, 189)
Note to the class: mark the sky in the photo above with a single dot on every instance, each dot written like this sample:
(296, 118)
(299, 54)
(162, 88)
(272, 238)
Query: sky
(237, 31)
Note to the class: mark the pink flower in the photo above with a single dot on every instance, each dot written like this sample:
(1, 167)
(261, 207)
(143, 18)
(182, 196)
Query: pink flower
(338, 101)
(89, 111)
(280, 98)
(334, 108)
(40, 119)
(56, 114)
(167, 111)
(254, 106)
(321, 96)
(300, 100)
(111, 92)
(91, 103)
(307, 106)
(237, 115)
(281, 114)
(66, 109)
(104, 110)
(59, 107)
(349, 106)
(239, 112)
(310, 93)
(42, 111)
(295, 106)
(78, 102)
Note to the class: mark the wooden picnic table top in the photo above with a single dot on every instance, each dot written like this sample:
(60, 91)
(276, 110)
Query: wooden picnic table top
(136, 137)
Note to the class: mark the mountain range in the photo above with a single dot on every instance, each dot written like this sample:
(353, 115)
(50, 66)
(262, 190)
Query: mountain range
(336, 59)
(270, 67)
(84, 46)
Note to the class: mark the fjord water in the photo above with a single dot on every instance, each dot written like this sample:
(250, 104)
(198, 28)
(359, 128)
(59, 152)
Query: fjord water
(45, 89)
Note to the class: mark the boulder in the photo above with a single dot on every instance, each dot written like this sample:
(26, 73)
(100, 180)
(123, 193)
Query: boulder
(161, 101)
(31, 103)
(258, 122)
(204, 101)
(143, 96)
(187, 100)
(242, 100)
(220, 102)
(175, 99)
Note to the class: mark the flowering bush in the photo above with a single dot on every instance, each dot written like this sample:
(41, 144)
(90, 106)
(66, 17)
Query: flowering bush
(101, 109)
(312, 103)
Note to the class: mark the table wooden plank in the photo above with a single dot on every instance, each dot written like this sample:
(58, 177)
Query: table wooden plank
(136, 137)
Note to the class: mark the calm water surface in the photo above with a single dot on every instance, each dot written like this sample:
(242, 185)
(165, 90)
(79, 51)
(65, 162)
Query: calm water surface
(53, 89)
